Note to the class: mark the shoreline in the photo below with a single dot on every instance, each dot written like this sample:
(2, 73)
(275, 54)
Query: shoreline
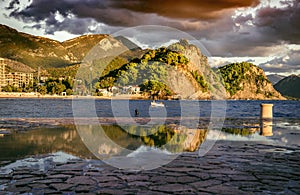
(23, 95)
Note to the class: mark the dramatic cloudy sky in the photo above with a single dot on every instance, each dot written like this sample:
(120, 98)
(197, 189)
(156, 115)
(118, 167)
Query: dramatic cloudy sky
(266, 32)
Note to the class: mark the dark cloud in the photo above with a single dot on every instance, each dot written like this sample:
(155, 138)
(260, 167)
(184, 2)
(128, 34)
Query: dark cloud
(195, 9)
(77, 26)
(259, 33)
(235, 44)
(12, 4)
(243, 19)
(285, 64)
(275, 24)
(130, 13)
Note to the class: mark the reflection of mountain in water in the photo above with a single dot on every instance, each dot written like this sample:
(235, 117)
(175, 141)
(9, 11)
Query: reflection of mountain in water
(265, 128)
(102, 141)
(113, 140)
(240, 131)
(43, 141)
(170, 137)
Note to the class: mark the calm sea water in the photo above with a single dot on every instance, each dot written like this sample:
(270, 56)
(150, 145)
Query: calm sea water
(56, 108)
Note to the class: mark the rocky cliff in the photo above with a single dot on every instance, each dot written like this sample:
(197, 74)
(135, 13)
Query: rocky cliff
(247, 81)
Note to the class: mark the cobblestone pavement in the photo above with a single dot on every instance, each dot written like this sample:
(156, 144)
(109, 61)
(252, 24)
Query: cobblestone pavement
(229, 168)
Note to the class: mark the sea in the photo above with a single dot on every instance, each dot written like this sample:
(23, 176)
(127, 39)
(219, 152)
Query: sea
(27, 132)
(58, 108)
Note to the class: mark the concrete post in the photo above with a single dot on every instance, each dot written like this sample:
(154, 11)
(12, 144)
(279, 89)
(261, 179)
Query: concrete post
(266, 115)
(266, 111)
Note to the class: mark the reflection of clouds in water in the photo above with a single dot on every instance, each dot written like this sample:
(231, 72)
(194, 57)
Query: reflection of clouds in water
(279, 133)
(284, 140)
(232, 137)
(106, 149)
(290, 126)
(41, 164)
(146, 149)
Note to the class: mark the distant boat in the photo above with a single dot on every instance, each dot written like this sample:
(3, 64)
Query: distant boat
(156, 104)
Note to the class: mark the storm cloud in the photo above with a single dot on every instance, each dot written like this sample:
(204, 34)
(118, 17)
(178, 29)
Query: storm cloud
(129, 13)
(289, 63)
(228, 28)
(264, 32)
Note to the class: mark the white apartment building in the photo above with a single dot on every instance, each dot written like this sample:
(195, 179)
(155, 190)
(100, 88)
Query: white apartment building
(16, 79)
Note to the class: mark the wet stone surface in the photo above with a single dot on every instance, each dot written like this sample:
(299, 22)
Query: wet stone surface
(229, 168)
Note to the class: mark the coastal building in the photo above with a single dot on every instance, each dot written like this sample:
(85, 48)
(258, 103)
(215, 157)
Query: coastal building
(18, 79)
(2, 75)
(135, 90)
(130, 89)
(7, 77)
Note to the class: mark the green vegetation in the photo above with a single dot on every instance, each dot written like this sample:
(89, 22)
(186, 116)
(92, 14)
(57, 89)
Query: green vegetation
(31, 87)
(68, 71)
(114, 64)
(233, 74)
(56, 86)
(156, 88)
(150, 71)
(165, 55)
(180, 46)
(200, 80)
(51, 86)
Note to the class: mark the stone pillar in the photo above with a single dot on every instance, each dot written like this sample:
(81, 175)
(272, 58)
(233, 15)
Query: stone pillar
(266, 115)
(266, 111)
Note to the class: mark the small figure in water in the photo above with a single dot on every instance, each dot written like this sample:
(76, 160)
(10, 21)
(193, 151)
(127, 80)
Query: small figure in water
(136, 112)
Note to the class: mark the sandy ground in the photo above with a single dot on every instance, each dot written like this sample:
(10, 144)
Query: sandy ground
(36, 95)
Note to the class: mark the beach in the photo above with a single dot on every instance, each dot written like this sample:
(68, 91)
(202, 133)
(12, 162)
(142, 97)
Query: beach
(47, 96)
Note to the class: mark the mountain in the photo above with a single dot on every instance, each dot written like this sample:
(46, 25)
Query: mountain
(247, 81)
(32, 50)
(129, 44)
(35, 51)
(164, 72)
(274, 78)
(81, 45)
(179, 70)
(289, 86)
(14, 66)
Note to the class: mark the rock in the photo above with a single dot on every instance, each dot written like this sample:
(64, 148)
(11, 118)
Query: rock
(81, 180)
(61, 186)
